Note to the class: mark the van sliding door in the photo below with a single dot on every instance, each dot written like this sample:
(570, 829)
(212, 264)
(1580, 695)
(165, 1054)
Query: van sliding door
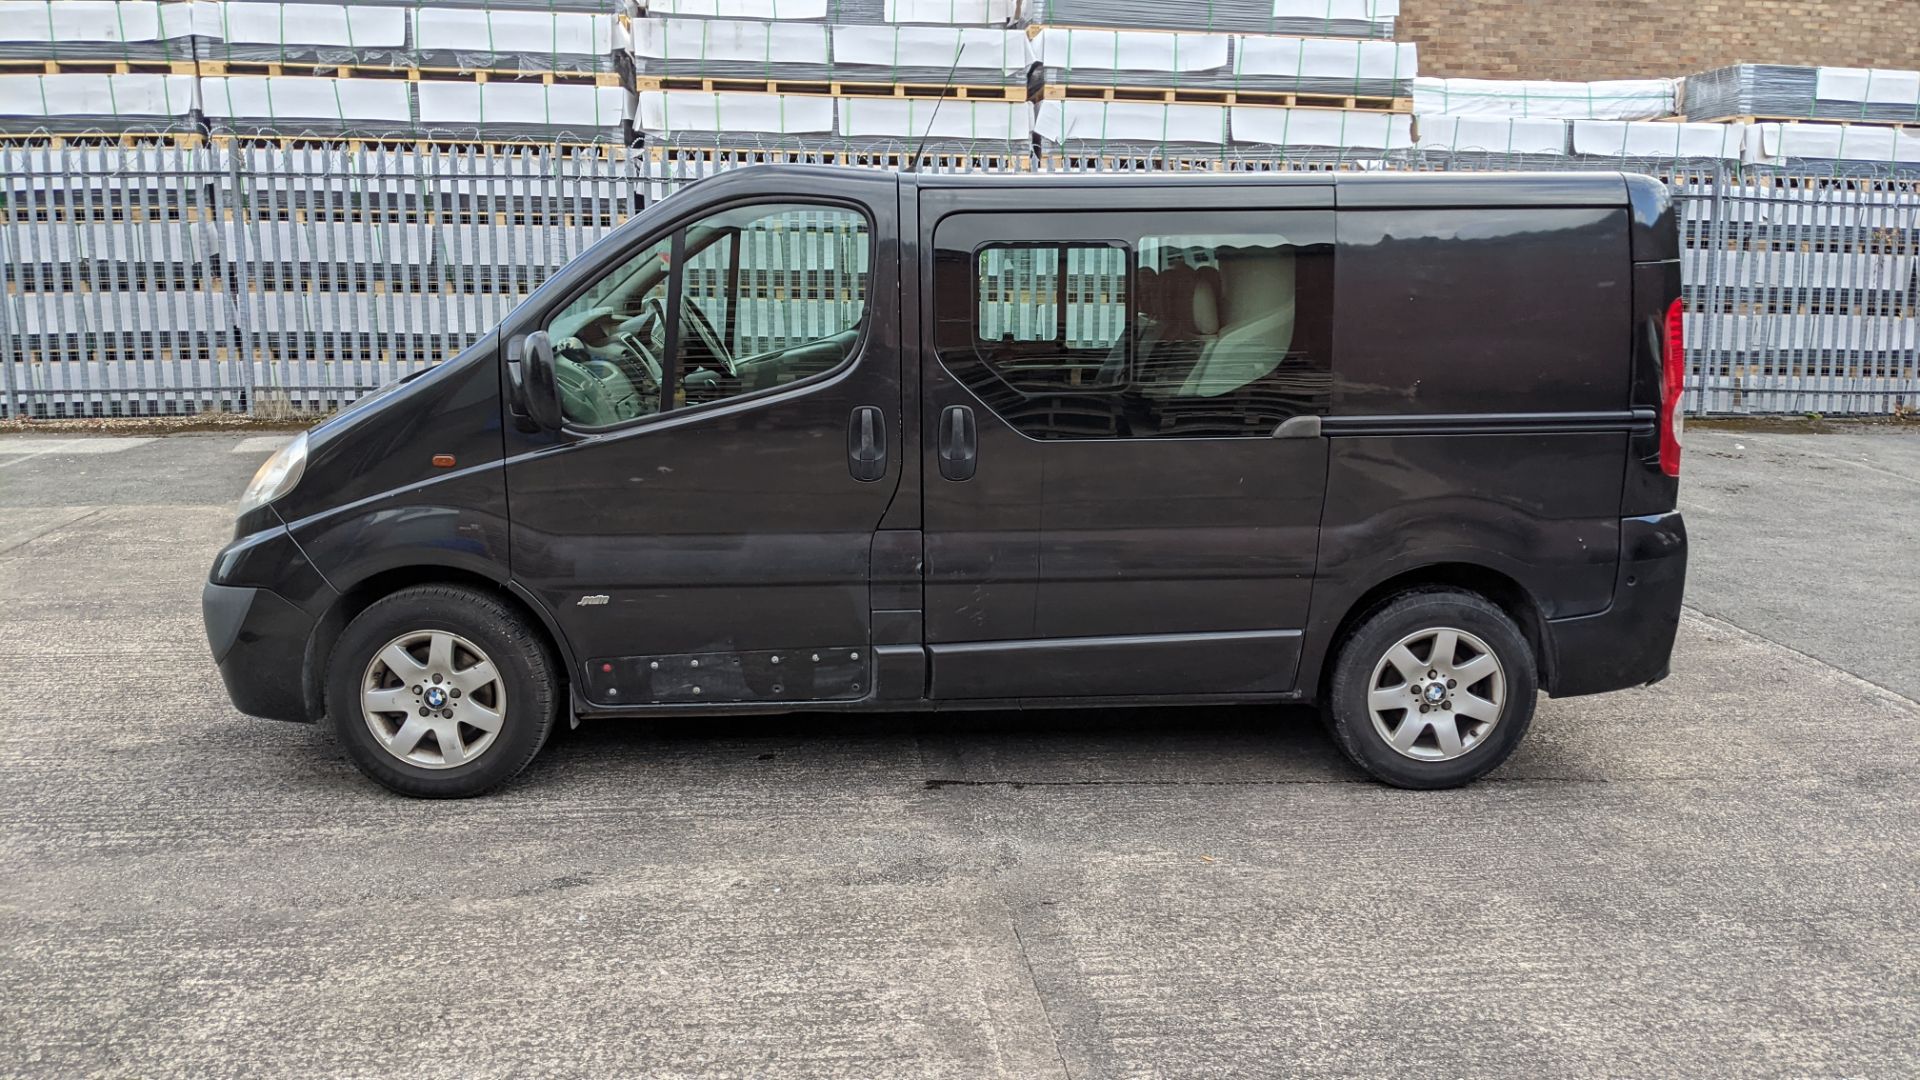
(1116, 502)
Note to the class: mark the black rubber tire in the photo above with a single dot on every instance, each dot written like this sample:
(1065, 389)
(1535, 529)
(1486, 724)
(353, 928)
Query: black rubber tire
(516, 648)
(1375, 633)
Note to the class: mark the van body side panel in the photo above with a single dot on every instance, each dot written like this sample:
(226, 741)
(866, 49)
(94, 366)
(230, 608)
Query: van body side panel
(1481, 403)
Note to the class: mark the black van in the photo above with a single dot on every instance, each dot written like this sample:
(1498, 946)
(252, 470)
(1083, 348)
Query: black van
(1405, 446)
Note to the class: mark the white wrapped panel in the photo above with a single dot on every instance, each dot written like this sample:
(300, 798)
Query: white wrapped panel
(273, 97)
(1875, 85)
(1742, 333)
(322, 241)
(950, 12)
(159, 309)
(1325, 58)
(664, 112)
(1616, 99)
(907, 118)
(940, 47)
(1347, 129)
(1774, 143)
(1798, 269)
(1650, 139)
(95, 95)
(369, 312)
(1492, 134)
(497, 30)
(358, 26)
(465, 104)
(114, 241)
(1130, 122)
(741, 9)
(732, 40)
(98, 21)
(1336, 9)
(1074, 49)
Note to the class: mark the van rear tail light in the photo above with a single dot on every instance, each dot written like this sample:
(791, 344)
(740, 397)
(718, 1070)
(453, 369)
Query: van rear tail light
(1673, 380)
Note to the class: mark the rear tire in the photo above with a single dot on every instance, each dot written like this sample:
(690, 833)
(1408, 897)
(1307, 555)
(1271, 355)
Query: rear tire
(441, 692)
(1433, 689)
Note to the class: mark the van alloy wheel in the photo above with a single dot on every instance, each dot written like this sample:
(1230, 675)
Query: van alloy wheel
(433, 699)
(1437, 694)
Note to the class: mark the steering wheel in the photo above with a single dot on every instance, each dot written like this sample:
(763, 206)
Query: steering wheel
(653, 317)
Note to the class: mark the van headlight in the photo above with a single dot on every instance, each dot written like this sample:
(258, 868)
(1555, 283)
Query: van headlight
(277, 476)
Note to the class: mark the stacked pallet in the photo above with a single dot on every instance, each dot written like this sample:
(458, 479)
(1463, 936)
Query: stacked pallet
(431, 70)
(868, 78)
(156, 280)
(1192, 87)
(1788, 114)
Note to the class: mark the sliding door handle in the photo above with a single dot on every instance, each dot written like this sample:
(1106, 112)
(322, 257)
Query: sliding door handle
(958, 443)
(867, 444)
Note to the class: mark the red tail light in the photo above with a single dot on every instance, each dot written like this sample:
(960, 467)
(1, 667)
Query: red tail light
(1673, 380)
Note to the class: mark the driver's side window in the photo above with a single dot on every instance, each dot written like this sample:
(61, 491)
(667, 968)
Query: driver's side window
(610, 342)
(770, 294)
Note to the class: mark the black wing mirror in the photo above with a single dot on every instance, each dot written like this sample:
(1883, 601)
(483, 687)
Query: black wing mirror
(538, 392)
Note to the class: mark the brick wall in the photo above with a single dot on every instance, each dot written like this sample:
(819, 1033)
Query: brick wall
(1614, 39)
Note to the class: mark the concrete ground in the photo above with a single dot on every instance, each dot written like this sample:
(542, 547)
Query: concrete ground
(1716, 875)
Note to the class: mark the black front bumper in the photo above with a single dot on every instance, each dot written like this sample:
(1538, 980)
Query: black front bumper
(261, 605)
(1631, 642)
(259, 642)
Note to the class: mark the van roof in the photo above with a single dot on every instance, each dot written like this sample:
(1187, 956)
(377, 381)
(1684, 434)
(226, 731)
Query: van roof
(1353, 189)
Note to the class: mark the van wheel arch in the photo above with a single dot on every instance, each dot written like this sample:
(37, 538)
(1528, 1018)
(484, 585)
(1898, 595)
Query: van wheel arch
(359, 597)
(1497, 588)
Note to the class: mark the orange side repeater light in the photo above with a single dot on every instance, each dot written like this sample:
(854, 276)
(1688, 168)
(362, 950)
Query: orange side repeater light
(443, 461)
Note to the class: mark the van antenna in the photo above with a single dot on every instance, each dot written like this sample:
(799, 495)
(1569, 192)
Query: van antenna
(959, 44)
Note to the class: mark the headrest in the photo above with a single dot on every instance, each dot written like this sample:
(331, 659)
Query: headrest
(1146, 289)
(1206, 301)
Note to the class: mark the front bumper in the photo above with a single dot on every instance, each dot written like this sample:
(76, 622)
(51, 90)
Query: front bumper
(261, 604)
(1631, 642)
(259, 642)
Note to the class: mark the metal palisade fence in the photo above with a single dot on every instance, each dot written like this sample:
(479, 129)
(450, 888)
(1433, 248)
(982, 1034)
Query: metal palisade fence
(146, 281)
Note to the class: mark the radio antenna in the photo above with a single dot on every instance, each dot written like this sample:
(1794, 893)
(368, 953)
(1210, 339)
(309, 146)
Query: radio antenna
(959, 44)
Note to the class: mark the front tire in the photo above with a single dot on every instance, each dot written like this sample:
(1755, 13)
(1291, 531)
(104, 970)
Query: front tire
(1433, 689)
(441, 692)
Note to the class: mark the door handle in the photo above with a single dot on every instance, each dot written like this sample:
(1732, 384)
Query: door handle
(867, 444)
(958, 443)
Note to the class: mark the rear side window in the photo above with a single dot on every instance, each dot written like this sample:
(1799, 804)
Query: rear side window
(1053, 316)
(1139, 325)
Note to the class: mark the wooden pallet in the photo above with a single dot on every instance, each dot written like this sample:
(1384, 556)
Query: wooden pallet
(218, 68)
(669, 155)
(98, 67)
(1034, 31)
(1763, 119)
(1192, 95)
(409, 142)
(832, 88)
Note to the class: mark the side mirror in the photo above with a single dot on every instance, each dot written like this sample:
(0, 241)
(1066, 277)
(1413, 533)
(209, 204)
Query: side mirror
(538, 391)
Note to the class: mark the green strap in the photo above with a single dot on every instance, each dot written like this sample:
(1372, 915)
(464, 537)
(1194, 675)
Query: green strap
(491, 52)
(53, 39)
(120, 17)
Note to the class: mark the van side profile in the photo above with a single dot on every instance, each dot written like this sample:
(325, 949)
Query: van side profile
(798, 438)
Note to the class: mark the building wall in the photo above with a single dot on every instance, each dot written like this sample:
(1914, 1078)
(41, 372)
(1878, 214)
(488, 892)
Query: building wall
(1613, 39)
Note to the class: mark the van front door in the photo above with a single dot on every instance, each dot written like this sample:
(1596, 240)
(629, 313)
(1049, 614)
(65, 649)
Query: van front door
(1123, 472)
(701, 530)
